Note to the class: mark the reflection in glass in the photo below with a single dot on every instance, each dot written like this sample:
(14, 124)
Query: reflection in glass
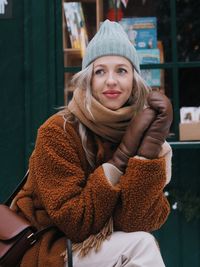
(189, 81)
(188, 30)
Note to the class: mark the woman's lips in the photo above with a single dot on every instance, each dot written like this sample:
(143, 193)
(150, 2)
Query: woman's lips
(112, 93)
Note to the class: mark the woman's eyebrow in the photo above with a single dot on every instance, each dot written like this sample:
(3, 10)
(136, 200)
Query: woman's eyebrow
(100, 65)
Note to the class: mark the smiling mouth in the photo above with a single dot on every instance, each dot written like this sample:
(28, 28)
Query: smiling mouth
(112, 94)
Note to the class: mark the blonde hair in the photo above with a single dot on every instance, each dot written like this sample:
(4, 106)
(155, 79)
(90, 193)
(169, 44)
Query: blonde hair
(82, 81)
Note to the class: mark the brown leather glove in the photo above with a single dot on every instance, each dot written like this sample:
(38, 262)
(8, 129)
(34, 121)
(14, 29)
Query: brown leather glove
(159, 129)
(132, 138)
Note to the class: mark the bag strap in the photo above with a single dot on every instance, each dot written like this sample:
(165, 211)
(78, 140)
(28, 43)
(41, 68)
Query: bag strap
(16, 190)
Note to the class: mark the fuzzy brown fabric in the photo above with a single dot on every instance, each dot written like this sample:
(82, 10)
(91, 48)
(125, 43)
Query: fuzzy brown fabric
(63, 190)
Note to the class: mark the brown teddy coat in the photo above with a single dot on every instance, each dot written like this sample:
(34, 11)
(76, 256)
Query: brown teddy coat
(62, 190)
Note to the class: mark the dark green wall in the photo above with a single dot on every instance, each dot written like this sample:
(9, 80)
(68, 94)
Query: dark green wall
(31, 78)
(12, 135)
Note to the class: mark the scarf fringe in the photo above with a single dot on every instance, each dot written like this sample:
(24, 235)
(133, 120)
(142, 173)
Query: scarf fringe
(92, 242)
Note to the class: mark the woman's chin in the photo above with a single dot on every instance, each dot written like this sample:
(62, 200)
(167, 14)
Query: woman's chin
(113, 107)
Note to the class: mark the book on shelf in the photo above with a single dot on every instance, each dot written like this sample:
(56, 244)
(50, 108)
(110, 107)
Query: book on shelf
(150, 56)
(189, 114)
(142, 31)
(75, 23)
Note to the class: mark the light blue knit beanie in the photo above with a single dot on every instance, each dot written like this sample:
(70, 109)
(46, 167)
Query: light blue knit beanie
(111, 39)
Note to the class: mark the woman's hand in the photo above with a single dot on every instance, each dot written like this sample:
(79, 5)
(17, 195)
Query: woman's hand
(132, 138)
(159, 129)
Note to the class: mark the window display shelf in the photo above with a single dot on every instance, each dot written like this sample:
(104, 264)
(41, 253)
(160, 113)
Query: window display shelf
(183, 145)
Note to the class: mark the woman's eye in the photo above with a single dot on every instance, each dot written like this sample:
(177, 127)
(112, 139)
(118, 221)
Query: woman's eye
(99, 72)
(122, 71)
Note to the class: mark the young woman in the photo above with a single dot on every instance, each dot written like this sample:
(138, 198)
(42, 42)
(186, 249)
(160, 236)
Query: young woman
(99, 166)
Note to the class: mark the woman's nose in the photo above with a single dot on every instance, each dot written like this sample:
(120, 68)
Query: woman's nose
(111, 79)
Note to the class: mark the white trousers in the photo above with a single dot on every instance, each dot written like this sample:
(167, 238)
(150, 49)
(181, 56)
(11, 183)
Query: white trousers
(138, 249)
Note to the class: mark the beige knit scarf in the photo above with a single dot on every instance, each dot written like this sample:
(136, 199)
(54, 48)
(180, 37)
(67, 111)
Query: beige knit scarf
(110, 125)
(104, 122)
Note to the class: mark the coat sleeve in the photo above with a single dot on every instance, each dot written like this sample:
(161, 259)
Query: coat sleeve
(77, 204)
(143, 206)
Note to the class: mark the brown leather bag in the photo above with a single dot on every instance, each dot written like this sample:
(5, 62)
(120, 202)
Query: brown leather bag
(17, 235)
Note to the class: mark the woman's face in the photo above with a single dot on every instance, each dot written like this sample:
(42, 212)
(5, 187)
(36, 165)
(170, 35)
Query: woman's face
(112, 81)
